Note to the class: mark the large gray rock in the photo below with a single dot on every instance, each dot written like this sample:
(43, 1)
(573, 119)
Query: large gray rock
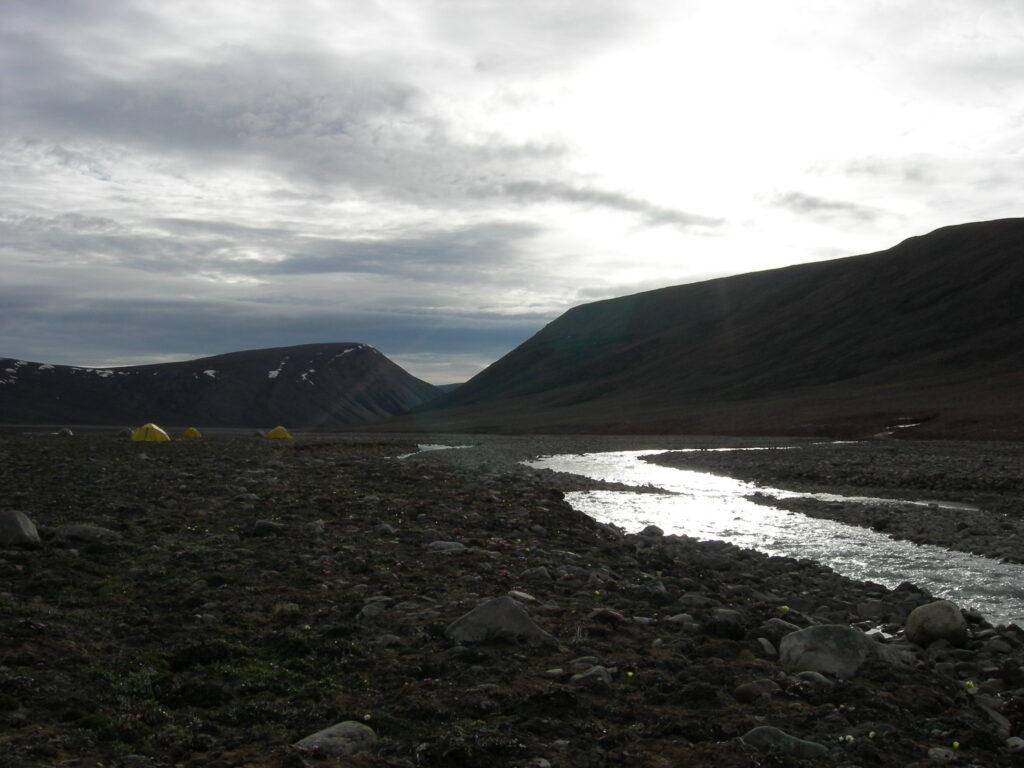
(771, 740)
(78, 533)
(940, 620)
(499, 619)
(340, 739)
(16, 530)
(829, 648)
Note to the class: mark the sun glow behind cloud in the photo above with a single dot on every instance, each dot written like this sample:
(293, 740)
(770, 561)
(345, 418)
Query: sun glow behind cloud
(439, 179)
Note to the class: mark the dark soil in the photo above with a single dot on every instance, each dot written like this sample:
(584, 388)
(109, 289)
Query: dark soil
(201, 638)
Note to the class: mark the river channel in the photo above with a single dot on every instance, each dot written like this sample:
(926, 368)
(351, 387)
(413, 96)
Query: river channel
(708, 506)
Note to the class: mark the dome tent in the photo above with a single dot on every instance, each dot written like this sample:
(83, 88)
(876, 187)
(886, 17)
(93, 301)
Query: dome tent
(191, 433)
(149, 433)
(279, 433)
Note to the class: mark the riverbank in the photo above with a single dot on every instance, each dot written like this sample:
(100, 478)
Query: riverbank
(987, 478)
(221, 599)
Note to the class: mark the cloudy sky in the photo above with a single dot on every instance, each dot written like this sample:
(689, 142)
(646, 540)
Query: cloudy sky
(440, 178)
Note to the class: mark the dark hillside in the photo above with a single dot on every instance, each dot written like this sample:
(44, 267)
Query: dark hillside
(930, 330)
(312, 385)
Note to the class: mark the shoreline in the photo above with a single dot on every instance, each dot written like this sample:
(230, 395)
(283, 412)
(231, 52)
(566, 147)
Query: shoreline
(986, 476)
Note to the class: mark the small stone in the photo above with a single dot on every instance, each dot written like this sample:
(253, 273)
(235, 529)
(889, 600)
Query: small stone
(595, 677)
(727, 623)
(942, 754)
(775, 629)
(652, 530)
(769, 650)
(607, 616)
(814, 679)
(755, 691)
(446, 546)
(268, 528)
(1015, 744)
(537, 574)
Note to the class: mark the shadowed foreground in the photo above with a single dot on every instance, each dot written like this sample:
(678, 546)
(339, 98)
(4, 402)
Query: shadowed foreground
(249, 594)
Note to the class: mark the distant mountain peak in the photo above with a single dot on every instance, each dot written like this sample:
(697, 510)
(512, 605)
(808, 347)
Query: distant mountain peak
(309, 385)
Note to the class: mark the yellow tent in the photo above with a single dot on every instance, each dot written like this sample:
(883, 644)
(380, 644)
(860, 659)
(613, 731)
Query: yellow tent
(278, 433)
(191, 432)
(149, 433)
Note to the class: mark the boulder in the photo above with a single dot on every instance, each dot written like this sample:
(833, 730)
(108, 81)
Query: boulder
(17, 530)
(85, 534)
(829, 648)
(499, 619)
(339, 740)
(771, 740)
(939, 620)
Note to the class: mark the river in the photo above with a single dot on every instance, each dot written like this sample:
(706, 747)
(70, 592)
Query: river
(708, 506)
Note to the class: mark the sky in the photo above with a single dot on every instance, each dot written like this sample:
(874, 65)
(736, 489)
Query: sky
(441, 178)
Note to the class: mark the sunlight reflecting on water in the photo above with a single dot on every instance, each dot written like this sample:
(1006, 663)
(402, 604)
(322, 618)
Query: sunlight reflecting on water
(426, 447)
(710, 506)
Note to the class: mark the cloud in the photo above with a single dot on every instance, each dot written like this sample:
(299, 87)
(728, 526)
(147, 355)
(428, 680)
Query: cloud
(546, 191)
(803, 204)
(536, 36)
(190, 247)
(908, 169)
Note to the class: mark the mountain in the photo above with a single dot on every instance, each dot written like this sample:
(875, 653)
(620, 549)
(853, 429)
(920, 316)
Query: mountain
(312, 385)
(929, 332)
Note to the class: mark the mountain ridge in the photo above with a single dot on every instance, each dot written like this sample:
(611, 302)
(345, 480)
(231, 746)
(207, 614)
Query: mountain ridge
(308, 385)
(839, 346)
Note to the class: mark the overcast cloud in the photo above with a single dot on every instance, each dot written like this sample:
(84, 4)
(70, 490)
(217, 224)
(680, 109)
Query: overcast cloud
(441, 178)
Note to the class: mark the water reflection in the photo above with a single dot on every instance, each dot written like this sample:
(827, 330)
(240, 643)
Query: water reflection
(425, 447)
(710, 506)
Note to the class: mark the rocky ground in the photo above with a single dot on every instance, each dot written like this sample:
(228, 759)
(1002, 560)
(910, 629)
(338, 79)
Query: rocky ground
(211, 603)
(989, 477)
